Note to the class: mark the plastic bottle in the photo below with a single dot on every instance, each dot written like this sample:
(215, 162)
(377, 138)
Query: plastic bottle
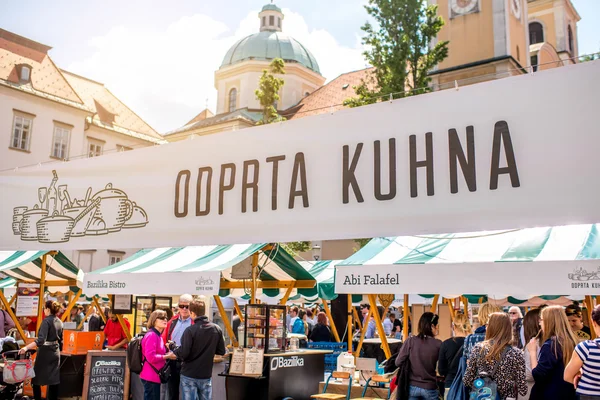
(345, 358)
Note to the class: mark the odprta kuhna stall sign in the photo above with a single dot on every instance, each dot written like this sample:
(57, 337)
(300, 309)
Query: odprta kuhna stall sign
(486, 156)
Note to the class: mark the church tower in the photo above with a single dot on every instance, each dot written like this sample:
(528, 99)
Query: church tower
(488, 39)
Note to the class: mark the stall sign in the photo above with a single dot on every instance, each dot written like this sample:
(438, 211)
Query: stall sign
(28, 299)
(106, 376)
(488, 156)
(205, 283)
(496, 279)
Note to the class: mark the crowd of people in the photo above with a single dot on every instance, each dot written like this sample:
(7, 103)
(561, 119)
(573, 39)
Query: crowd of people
(312, 323)
(546, 354)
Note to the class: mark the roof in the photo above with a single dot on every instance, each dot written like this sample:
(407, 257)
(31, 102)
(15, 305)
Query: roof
(244, 114)
(275, 263)
(110, 112)
(46, 79)
(329, 97)
(268, 45)
(271, 7)
(202, 116)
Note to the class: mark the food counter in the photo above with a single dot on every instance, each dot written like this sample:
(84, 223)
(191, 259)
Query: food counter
(293, 374)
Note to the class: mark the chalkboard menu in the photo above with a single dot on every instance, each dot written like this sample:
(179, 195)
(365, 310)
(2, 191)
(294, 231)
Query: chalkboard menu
(106, 376)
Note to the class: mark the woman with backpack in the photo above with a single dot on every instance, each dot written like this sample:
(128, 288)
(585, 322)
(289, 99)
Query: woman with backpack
(548, 369)
(418, 358)
(451, 350)
(495, 368)
(586, 358)
(531, 331)
(154, 355)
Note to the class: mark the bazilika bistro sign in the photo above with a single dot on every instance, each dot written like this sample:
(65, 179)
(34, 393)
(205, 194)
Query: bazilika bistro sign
(484, 157)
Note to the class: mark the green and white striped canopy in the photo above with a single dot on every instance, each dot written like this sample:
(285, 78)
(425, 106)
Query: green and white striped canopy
(275, 264)
(27, 266)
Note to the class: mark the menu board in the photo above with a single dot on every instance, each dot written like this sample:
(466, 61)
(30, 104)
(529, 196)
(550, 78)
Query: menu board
(106, 376)
(238, 359)
(253, 364)
(28, 299)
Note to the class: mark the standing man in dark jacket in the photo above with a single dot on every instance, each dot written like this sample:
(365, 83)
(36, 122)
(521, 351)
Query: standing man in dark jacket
(199, 345)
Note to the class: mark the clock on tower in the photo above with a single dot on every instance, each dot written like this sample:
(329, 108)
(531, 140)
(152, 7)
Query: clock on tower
(463, 7)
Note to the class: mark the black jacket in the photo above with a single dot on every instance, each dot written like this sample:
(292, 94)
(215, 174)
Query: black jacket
(199, 344)
(320, 333)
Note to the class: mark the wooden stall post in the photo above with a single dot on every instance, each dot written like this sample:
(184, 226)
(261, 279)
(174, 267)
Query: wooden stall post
(254, 286)
(331, 321)
(286, 296)
(12, 315)
(70, 306)
(226, 321)
(100, 311)
(13, 300)
(239, 311)
(124, 327)
(405, 320)
(590, 306)
(363, 331)
(466, 305)
(450, 308)
(358, 320)
(434, 303)
(379, 324)
(42, 290)
(349, 328)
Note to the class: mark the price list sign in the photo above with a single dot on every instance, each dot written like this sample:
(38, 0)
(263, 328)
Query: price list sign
(106, 376)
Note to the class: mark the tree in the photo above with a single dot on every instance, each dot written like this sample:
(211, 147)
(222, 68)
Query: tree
(590, 57)
(400, 48)
(267, 92)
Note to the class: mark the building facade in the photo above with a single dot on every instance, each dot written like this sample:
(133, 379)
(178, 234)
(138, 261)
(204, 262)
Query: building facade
(51, 115)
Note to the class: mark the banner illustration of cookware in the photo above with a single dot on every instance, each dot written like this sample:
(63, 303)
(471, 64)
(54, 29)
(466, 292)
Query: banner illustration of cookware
(58, 217)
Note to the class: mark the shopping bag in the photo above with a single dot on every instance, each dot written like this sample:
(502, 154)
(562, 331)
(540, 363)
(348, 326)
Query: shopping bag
(17, 371)
(458, 391)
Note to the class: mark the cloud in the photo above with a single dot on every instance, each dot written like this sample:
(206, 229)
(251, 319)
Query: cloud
(167, 75)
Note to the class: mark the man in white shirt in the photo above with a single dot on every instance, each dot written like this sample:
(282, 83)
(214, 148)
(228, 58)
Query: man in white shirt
(294, 313)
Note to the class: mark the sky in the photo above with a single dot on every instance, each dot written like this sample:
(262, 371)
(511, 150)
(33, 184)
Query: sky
(159, 57)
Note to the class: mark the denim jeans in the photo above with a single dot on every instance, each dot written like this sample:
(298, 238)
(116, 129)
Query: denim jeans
(416, 393)
(196, 389)
(151, 390)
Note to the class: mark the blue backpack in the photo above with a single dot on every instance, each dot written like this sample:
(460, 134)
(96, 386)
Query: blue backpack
(484, 386)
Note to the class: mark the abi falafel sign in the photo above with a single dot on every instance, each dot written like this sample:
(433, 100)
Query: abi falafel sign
(484, 157)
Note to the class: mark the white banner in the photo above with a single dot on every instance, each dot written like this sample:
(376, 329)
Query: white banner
(498, 280)
(512, 153)
(204, 283)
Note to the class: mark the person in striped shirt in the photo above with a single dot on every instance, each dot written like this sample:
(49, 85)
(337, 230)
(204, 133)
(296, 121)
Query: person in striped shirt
(584, 368)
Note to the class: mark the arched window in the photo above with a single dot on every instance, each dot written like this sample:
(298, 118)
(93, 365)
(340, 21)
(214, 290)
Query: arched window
(536, 33)
(264, 21)
(570, 36)
(271, 20)
(232, 100)
(518, 54)
(278, 22)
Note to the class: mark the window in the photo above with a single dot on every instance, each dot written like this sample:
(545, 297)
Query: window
(272, 20)
(536, 33)
(534, 62)
(570, 38)
(518, 54)
(94, 148)
(114, 260)
(21, 136)
(60, 142)
(25, 73)
(264, 21)
(279, 22)
(232, 100)
(123, 148)
(115, 256)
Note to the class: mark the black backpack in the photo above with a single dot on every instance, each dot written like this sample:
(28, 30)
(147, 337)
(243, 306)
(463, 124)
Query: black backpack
(134, 355)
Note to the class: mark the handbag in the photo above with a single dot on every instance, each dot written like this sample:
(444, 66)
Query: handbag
(17, 371)
(164, 374)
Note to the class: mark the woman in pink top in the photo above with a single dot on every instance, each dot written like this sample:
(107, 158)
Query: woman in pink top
(155, 353)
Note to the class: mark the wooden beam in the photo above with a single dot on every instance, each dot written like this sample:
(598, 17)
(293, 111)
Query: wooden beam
(405, 320)
(254, 278)
(100, 311)
(70, 306)
(302, 284)
(87, 314)
(13, 300)
(61, 283)
(450, 308)
(40, 313)
(331, 321)
(363, 331)
(465, 305)
(379, 325)
(349, 327)
(434, 303)
(239, 311)
(226, 322)
(286, 296)
(124, 327)
(590, 306)
(12, 315)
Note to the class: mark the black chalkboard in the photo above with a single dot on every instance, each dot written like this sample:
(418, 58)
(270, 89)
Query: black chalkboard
(106, 376)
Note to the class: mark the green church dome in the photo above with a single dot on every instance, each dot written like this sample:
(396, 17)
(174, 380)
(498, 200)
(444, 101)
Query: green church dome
(271, 7)
(267, 45)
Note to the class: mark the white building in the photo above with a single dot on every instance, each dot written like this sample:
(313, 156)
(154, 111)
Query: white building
(50, 115)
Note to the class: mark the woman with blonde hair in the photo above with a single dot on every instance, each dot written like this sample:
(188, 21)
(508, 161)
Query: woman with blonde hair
(495, 356)
(548, 369)
(451, 350)
(479, 335)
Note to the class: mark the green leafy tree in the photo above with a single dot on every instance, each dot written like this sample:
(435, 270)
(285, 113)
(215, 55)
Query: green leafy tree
(590, 57)
(361, 243)
(267, 92)
(400, 48)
